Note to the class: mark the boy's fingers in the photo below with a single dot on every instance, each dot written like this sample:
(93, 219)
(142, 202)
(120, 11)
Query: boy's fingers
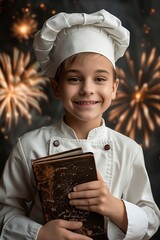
(93, 185)
(68, 224)
(84, 194)
(71, 225)
(76, 225)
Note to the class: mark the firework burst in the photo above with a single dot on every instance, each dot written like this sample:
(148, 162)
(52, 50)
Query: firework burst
(138, 101)
(21, 87)
(24, 28)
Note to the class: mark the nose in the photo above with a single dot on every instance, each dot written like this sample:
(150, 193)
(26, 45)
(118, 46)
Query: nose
(87, 88)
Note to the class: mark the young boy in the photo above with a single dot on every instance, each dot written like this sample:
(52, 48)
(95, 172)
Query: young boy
(78, 52)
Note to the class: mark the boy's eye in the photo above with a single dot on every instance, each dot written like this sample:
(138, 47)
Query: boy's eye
(100, 79)
(74, 79)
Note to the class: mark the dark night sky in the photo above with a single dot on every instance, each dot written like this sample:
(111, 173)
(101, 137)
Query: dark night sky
(141, 17)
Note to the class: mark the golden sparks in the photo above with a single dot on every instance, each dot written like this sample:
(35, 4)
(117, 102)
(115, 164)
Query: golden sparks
(146, 29)
(20, 87)
(24, 28)
(42, 6)
(152, 11)
(138, 101)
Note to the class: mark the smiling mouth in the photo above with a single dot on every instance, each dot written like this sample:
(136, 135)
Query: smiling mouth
(86, 102)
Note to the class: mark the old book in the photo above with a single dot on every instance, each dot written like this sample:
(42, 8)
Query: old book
(55, 176)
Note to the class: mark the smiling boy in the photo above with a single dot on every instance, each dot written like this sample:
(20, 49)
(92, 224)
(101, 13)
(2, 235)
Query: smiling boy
(78, 52)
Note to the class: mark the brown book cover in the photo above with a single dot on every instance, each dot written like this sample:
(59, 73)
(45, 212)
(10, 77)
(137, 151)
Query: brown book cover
(55, 176)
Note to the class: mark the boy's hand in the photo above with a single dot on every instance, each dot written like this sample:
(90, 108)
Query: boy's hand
(92, 196)
(95, 196)
(60, 230)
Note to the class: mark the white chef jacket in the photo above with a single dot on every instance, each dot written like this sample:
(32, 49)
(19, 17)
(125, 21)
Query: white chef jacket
(119, 160)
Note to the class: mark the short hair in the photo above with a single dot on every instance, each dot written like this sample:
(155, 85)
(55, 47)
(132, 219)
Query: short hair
(63, 66)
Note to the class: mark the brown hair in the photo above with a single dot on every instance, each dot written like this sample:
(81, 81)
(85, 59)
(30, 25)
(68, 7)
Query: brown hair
(63, 66)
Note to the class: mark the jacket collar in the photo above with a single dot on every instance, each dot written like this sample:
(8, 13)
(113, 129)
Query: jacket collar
(68, 132)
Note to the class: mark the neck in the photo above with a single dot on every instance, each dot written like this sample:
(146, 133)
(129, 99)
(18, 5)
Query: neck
(82, 128)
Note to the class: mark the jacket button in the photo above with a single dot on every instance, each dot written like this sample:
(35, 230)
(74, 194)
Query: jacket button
(106, 147)
(56, 143)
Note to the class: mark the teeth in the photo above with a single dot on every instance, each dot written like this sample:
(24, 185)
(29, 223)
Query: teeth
(87, 103)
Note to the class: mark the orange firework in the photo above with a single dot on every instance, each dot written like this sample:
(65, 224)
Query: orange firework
(20, 87)
(24, 28)
(136, 109)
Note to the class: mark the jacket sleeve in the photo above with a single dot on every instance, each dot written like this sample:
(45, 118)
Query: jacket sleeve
(16, 194)
(142, 211)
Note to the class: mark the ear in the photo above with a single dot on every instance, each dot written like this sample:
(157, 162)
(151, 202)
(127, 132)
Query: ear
(115, 87)
(55, 88)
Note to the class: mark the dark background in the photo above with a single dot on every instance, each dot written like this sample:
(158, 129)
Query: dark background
(141, 17)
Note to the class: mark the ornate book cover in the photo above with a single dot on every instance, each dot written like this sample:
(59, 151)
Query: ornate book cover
(55, 176)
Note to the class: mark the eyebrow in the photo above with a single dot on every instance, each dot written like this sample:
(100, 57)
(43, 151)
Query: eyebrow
(77, 71)
(101, 71)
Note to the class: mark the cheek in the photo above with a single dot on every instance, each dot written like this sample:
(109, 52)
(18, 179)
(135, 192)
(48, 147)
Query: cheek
(107, 92)
(71, 90)
(67, 93)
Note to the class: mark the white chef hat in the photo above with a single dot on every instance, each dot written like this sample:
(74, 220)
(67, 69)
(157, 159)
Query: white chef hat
(64, 35)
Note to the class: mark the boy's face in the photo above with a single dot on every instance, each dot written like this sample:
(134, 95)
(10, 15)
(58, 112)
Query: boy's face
(86, 88)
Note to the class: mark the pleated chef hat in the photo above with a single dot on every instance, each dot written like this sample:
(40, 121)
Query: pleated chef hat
(64, 35)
